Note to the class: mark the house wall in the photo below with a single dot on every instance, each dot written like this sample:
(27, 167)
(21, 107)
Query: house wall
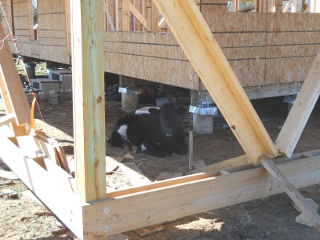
(262, 48)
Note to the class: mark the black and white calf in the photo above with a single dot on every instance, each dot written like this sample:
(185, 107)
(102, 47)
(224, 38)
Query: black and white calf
(158, 133)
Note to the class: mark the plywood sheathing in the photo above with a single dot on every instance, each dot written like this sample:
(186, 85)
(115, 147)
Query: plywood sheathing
(266, 48)
(52, 30)
(153, 56)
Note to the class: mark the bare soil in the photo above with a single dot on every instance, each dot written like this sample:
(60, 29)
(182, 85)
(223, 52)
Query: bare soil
(268, 218)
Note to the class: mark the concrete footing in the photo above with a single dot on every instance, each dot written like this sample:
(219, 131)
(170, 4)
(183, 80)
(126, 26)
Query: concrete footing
(202, 124)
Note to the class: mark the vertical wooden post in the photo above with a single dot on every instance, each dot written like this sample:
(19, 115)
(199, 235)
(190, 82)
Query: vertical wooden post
(88, 98)
(31, 20)
(278, 7)
(9, 14)
(116, 8)
(235, 5)
(154, 18)
(125, 15)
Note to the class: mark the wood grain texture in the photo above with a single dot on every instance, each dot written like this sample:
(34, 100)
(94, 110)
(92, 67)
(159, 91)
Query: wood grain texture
(88, 98)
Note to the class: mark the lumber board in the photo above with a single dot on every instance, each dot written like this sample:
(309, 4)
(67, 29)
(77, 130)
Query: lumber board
(30, 20)
(88, 98)
(299, 114)
(170, 202)
(194, 36)
(295, 195)
(134, 174)
(11, 87)
(67, 207)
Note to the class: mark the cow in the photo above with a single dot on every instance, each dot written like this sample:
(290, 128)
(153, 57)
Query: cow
(158, 133)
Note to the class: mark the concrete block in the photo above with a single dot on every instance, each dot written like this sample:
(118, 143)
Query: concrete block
(54, 99)
(302, 219)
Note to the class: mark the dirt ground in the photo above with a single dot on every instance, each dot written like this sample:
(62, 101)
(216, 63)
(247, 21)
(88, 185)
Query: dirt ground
(268, 218)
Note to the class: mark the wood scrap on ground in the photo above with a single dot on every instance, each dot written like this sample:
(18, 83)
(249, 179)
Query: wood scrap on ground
(134, 174)
(112, 163)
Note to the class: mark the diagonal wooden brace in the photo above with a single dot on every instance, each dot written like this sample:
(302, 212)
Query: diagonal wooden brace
(293, 193)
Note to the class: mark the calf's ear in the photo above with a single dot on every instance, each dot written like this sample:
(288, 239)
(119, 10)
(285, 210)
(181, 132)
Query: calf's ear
(154, 111)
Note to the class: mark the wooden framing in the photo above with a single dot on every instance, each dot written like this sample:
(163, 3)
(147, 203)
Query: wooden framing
(87, 209)
(88, 98)
(31, 21)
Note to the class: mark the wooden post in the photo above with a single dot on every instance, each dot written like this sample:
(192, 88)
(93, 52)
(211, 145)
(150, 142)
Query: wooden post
(190, 29)
(125, 15)
(31, 20)
(9, 14)
(88, 98)
(154, 18)
(116, 10)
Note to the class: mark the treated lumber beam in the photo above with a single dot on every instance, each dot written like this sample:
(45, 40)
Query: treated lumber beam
(193, 34)
(293, 193)
(53, 189)
(170, 201)
(11, 87)
(300, 112)
(88, 98)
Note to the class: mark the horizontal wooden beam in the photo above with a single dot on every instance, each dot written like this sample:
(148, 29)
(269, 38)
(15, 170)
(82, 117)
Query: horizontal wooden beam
(169, 202)
(197, 41)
